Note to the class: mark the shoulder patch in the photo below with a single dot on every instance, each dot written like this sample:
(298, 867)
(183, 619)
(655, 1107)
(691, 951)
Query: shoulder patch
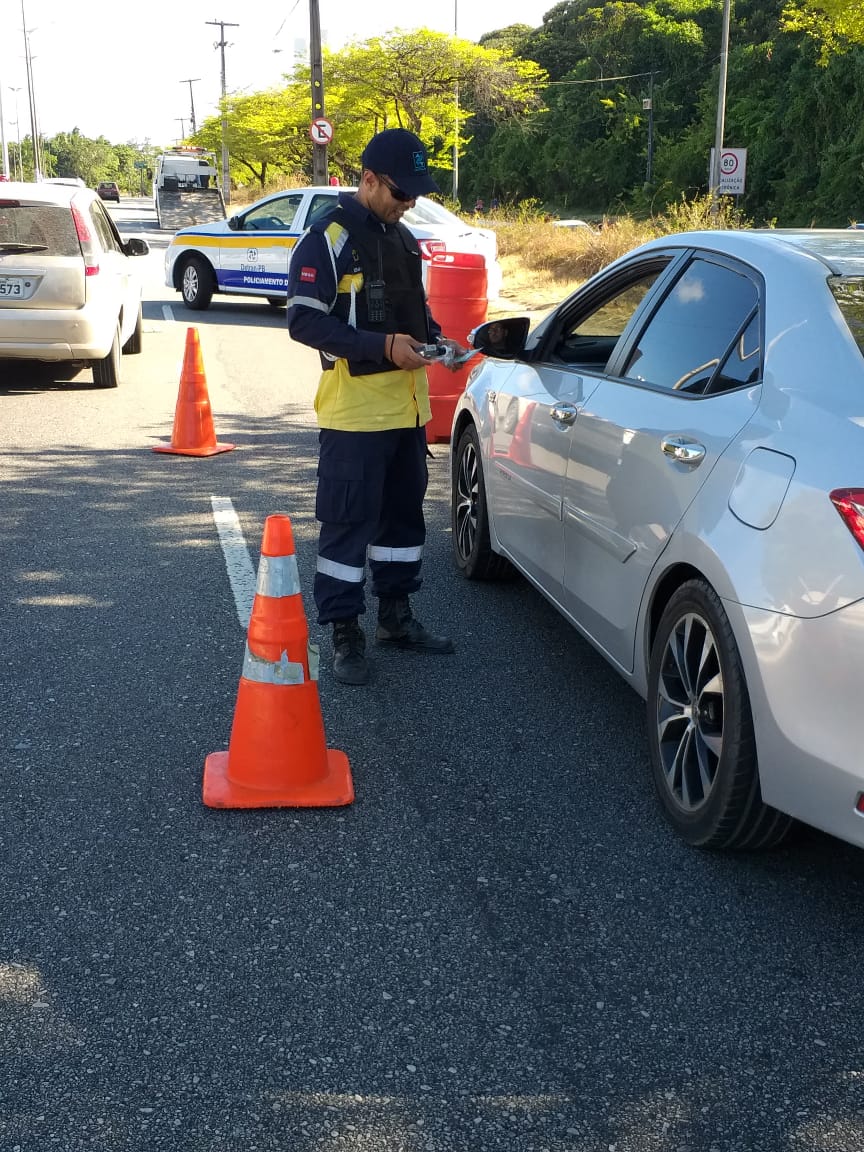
(309, 275)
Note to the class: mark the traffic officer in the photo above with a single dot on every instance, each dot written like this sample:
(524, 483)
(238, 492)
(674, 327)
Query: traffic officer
(355, 293)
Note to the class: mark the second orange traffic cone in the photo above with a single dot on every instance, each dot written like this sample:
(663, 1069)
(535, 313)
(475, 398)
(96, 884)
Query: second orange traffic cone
(277, 756)
(193, 434)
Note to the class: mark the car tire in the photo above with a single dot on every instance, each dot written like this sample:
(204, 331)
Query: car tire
(469, 517)
(197, 283)
(277, 301)
(133, 345)
(106, 373)
(700, 729)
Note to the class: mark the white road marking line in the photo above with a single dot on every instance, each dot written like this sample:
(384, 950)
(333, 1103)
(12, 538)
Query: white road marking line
(168, 312)
(241, 571)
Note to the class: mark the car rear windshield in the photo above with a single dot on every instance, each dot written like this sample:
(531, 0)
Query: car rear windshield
(48, 226)
(849, 294)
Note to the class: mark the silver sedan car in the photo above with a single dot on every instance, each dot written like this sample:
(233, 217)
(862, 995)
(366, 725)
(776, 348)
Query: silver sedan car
(674, 457)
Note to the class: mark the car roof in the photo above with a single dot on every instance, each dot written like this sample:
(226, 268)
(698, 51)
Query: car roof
(43, 192)
(841, 251)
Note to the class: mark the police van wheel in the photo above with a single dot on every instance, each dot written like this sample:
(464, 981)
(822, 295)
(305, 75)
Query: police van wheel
(277, 301)
(197, 284)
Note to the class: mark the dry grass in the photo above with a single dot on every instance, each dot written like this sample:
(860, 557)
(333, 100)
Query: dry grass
(543, 264)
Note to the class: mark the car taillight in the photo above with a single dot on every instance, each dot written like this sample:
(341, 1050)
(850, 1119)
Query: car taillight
(849, 502)
(428, 248)
(85, 239)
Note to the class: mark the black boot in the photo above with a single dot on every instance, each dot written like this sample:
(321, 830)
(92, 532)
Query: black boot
(349, 652)
(397, 626)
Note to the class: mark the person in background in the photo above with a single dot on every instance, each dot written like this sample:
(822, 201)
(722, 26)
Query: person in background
(478, 205)
(355, 292)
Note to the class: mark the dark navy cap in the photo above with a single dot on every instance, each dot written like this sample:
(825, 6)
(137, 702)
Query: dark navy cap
(402, 156)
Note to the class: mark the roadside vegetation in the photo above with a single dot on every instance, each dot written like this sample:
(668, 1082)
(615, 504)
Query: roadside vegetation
(607, 108)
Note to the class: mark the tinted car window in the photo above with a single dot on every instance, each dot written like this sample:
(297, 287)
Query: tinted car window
(690, 333)
(849, 293)
(44, 224)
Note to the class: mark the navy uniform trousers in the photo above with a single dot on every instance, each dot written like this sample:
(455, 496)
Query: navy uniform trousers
(370, 504)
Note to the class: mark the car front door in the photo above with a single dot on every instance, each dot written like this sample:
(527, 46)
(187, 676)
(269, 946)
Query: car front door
(536, 410)
(254, 259)
(680, 388)
(532, 414)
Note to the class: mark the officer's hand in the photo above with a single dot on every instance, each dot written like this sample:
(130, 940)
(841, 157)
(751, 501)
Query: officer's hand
(402, 352)
(456, 349)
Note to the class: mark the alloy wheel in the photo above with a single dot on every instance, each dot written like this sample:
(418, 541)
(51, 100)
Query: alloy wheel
(467, 495)
(690, 712)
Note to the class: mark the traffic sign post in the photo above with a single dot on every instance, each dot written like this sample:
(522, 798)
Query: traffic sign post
(321, 130)
(733, 169)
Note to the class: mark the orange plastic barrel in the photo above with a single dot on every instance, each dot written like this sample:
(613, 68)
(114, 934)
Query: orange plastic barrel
(456, 290)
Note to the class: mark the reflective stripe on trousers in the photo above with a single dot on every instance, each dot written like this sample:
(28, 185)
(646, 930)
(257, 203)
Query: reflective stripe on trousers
(370, 504)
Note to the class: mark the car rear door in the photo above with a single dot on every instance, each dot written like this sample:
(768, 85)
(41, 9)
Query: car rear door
(646, 441)
(115, 286)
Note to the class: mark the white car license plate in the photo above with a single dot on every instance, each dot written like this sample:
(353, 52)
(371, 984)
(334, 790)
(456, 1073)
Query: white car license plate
(15, 287)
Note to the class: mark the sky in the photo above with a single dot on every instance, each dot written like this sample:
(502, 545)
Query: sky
(123, 72)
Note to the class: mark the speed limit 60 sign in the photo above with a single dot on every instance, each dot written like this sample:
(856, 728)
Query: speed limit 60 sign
(321, 130)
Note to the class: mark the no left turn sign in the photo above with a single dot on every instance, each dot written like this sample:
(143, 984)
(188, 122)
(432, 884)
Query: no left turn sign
(321, 130)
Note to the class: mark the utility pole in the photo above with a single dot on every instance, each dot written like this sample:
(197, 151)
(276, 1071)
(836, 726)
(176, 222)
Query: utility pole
(34, 127)
(714, 188)
(221, 44)
(3, 136)
(192, 101)
(182, 122)
(316, 69)
(18, 132)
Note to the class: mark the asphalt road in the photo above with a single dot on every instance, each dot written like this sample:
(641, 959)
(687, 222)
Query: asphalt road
(498, 946)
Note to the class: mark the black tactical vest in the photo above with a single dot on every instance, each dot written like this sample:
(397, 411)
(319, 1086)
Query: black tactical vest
(391, 255)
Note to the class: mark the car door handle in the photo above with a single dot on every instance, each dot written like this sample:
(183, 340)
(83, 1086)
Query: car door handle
(563, 413)
(684, 451)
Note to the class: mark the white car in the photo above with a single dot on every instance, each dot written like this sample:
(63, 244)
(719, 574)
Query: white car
(69, 292)
(248, 254)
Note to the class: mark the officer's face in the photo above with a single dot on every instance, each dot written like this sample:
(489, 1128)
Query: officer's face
(388, 203)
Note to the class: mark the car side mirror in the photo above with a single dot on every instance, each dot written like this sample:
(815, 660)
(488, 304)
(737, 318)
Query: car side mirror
(235, 223)
(135, 246)
(504, 339)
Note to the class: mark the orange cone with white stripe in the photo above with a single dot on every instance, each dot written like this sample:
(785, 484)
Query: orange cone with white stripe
(193, 433)
(277, 756)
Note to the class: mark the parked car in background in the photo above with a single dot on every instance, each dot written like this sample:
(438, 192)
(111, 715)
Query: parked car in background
(108, 190)
(248, 254)
(70, 290)
(673, 457)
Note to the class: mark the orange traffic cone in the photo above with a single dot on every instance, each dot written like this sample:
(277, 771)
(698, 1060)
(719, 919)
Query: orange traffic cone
(193, 433)
(277, 756)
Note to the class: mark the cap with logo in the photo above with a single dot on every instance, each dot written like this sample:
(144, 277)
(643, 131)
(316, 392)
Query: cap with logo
(402, 156)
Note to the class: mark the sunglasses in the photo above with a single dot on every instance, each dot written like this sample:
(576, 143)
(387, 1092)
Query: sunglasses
(396, 193)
